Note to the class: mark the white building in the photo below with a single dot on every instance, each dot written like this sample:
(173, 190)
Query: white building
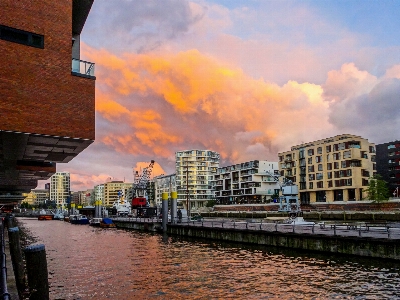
(163, 183)
(246, 183)
(99, 193)
(60, 188)
(195, 171)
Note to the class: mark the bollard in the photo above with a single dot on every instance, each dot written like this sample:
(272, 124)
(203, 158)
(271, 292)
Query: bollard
(10, 221)
(334, 229)
(388, 230)
(359, 231)
(17, 260)
(36, 269)
(174, 196)
(164, 210)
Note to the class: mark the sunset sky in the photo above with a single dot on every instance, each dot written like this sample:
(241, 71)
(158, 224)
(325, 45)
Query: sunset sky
(247, 79)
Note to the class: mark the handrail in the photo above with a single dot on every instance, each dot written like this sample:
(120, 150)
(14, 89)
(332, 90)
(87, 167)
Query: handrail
(3, 283)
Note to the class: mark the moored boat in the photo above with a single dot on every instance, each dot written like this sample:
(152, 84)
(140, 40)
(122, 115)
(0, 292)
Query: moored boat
(43, 215)
(107, 223)
(78, 219)
(95, 222)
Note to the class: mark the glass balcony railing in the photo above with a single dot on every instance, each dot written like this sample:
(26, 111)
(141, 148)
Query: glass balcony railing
(82, 67)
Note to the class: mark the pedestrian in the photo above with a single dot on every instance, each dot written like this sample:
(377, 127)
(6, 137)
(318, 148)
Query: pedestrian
(179, 215)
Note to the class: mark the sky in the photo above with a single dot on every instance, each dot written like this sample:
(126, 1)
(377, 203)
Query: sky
(247, 79)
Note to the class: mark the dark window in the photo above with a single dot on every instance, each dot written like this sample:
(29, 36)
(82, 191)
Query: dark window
(21, 37)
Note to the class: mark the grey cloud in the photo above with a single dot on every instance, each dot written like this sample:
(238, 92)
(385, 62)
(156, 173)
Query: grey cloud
(137, 25)
(375, 115)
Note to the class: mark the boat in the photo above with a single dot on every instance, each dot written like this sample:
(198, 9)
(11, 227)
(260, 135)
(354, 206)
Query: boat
(59, 215)
(78, 219)
(43, 215)
(122, 206)
(95, 222)
(107, 223)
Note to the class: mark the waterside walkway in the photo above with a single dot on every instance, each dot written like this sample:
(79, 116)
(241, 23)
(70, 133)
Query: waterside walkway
(371, 239)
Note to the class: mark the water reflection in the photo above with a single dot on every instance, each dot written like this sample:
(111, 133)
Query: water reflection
(94, 263)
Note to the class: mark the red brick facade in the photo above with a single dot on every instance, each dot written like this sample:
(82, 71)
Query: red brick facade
(38, 94)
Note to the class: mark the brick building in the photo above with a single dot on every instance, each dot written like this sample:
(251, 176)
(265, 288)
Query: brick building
(388, 165)
(47, 94)
(332, 169)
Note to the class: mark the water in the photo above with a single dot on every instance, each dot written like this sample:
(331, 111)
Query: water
(93, 263)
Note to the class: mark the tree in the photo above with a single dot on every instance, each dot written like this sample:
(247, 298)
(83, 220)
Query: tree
(210, 203)
(377, 190)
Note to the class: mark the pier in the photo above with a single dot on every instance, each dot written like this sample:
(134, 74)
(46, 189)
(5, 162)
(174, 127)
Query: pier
(368, 239)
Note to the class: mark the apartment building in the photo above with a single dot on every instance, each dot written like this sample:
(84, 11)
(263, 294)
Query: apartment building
(111, 190)
(40, 196)
(47, 93)
(195, 171)
(388, 165)
(246, 183)
(60, 184)
(98, 192)
(163, 183)
(331, 169)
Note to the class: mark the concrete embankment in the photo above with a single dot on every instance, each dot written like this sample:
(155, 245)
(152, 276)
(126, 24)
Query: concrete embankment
(369, 247)
(349, 245)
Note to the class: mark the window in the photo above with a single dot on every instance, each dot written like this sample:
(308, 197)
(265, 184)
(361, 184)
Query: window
(310, 168)
(320, 184)
(311, 185)
(336, 156)
(336, 165)
(329, 166)
(320, 167)
(21, 37)
(311, 177)
(328, 148)
(329, 175)
(309, 160)
(319, 150)
(318, 159)
(310, 152)
(320, 176)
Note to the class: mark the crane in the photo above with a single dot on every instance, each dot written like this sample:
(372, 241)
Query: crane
(137, 193)
(289, 201)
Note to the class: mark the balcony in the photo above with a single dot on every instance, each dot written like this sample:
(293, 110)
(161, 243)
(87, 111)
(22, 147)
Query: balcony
(82, 68)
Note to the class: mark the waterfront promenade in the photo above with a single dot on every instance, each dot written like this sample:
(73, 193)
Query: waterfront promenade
(379, 240)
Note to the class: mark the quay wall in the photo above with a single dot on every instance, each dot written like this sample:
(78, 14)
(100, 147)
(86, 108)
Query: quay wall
(367, 247)
(390, 216)
(138, 225)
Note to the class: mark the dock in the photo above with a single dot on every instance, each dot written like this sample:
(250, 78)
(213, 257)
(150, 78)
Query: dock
(381, 241)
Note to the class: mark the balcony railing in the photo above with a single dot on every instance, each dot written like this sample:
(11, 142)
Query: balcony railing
(82, 67)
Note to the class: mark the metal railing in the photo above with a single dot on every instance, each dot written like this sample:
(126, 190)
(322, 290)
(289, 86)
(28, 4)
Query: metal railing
(82, 67)
(3, 275)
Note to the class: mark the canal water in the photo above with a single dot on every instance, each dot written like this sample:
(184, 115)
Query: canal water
(93, 263)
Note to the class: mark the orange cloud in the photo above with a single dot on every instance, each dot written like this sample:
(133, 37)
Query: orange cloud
(158, 104)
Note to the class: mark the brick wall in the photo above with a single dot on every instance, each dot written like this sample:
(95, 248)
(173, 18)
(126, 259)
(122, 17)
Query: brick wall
(38, 94)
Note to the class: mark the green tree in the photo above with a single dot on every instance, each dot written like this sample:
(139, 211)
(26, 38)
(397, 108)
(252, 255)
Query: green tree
(210, 203)
(377, 190)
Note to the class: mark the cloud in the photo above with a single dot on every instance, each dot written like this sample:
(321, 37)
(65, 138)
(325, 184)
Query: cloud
(348, 82)
(155, 104)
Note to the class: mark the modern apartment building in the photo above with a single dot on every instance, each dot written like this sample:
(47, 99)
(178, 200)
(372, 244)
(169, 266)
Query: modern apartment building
(332, 169)
(195, 171)
(111, 190)
(388, 165)
(60, 188)
(47, 94)
(163, 183)
(40, 196)
(99, 193)
(246, 183)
